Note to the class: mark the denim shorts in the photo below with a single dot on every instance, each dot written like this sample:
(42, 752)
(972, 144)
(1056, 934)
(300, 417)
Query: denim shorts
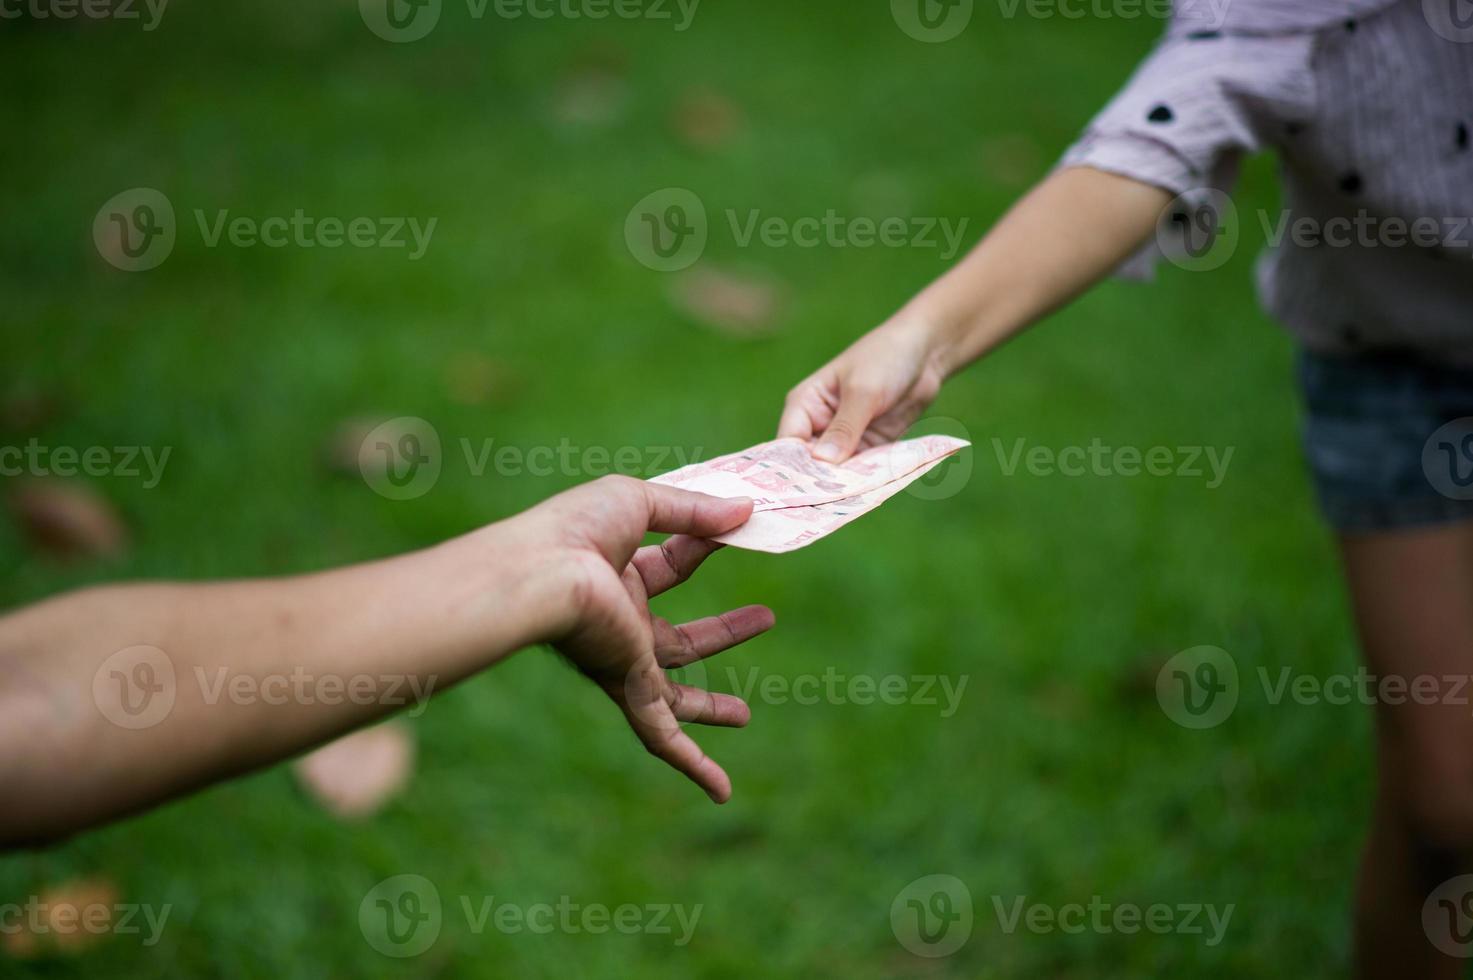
(1389, 439)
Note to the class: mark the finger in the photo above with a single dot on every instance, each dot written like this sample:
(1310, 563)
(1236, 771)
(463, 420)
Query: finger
(709, 707)
(809, 407)
(795, 423)
(856, 408)
(675, 511)
(676, 646)
(665, 565)
(662, 736)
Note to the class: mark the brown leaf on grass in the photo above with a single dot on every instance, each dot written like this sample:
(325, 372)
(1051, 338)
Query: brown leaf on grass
(358, 774)
(68, 520)
(343, 448)
(594, 90)
(27, 409)
(67, 919)
(733, 304)
(474, 379)
(1138, 677)
(707, 120)
(349, 451)
(592, 96)
(1011, 159)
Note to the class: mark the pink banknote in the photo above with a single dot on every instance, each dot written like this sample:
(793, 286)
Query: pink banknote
(799, 499)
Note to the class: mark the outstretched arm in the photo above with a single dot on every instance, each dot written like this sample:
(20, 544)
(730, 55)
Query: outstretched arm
(1066, 234)
(116, 698)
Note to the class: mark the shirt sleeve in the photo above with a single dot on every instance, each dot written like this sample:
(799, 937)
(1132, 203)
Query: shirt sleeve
(1193, 109)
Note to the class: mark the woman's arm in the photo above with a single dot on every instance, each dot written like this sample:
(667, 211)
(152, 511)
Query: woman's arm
(1066, 234)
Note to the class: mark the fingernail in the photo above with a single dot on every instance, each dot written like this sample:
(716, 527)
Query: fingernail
(829, 452)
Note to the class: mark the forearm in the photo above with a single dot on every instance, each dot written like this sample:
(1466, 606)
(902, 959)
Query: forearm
(256, 670)
(1066, 234)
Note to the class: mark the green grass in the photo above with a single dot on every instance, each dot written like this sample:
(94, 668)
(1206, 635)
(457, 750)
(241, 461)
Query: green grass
(1060, 778)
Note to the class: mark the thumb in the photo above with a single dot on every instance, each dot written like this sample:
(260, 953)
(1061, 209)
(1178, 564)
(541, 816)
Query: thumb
(856, 409)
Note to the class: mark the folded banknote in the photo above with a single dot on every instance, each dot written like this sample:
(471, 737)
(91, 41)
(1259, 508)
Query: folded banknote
(799, 499)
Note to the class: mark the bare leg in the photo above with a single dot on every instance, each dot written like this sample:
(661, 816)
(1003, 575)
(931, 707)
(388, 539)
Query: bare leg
(1413, 598)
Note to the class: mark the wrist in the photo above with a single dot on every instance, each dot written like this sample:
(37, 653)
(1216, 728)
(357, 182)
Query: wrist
(508, 590)
(934, 335)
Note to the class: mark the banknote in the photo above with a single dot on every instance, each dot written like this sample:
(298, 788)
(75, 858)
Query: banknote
(798, 499)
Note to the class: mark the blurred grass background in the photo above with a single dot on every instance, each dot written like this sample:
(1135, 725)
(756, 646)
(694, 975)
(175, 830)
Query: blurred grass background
(1059, 779)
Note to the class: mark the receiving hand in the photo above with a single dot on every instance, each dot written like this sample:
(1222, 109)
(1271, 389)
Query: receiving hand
(613, 638)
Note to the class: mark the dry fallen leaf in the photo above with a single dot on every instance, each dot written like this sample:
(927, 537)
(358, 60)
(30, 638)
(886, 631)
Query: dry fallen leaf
(67, 519)
(474, 379)
(26, 409)
(359, 773)
(707, 120)
(65, 919)
(733, 304)
(1012, 159)
(347, 450)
